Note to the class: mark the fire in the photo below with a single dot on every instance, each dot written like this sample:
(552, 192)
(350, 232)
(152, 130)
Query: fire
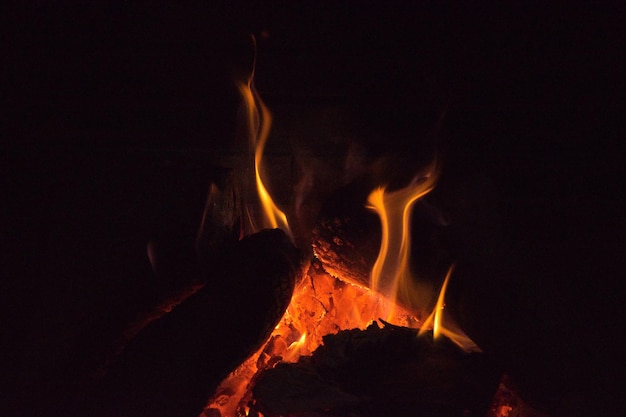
(259, 122)
(391, 273)
(449, 330)
(323, 304)
(320, 305)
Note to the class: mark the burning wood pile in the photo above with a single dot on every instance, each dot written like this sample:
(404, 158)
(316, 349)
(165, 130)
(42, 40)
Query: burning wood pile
(273, 332)
(361, 336)
(378, 371)
(332, 354)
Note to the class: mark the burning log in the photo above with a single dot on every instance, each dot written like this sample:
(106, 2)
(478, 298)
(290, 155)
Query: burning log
(174, 364)
(347, 236)
(378, 372)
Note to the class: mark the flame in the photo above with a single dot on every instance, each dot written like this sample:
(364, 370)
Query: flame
(391, 273)
(440, 305)
(259, 122)
(294, 350)
(447, 328)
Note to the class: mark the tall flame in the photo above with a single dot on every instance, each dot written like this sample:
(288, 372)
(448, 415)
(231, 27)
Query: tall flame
(391, 273)
(259, 121)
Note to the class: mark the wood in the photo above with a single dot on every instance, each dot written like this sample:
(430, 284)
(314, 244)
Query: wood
(173, 266)
(174, 364)
(379, 372)
(346, 237)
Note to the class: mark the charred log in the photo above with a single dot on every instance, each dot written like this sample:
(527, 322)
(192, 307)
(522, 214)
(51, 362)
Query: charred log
(379, 372)
(220, 228)
(174, 270)
(175, 363)
(346, 237)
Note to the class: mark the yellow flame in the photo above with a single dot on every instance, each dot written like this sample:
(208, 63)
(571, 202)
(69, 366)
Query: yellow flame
(293, 351)
(391, 272)
(259, 120)
(435, 320)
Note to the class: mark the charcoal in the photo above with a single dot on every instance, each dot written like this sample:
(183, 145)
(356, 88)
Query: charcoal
(380, 372)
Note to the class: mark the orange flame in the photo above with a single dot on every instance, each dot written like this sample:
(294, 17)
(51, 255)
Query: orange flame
(449, 330)
(294, 350)
(259, 121)
(391, 273)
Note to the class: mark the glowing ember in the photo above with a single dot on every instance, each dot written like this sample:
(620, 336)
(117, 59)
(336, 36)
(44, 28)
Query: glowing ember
(321, 305)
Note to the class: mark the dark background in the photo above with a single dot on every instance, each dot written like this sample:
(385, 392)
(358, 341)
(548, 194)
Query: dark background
(114, 115)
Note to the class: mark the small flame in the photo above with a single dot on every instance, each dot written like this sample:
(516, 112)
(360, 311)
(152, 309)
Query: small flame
(293, 351)
(449, 330)
(434, 320)
(259, 120)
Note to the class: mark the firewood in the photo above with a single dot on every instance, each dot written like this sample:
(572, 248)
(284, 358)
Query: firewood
(220, 227)
(379, 372)
(346, 237)
(171, 262)
(173, 365)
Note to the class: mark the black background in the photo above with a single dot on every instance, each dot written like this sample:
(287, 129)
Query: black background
(114, 112)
